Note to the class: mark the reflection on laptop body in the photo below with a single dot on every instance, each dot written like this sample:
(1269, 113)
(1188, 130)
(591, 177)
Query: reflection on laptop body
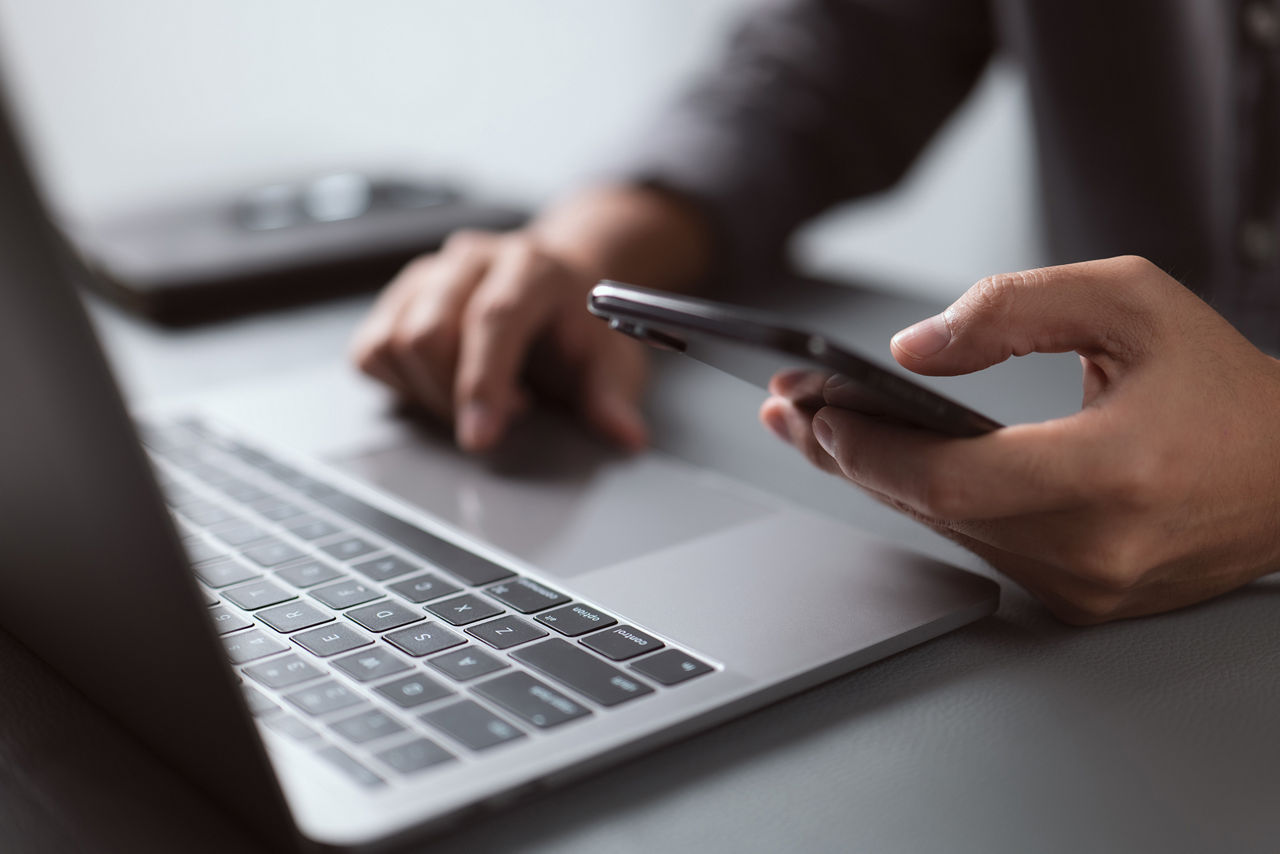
(334, 662)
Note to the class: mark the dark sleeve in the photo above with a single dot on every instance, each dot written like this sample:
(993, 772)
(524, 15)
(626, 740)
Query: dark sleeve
(817, 101)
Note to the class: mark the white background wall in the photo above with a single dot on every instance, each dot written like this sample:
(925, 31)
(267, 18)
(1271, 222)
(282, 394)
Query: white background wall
(149, 99)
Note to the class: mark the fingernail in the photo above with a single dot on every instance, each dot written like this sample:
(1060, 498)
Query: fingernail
(777, 422)
(822, 432)
(476, 426)
(925, 338)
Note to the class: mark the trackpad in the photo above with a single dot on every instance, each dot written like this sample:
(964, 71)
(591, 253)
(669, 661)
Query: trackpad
(556, 498)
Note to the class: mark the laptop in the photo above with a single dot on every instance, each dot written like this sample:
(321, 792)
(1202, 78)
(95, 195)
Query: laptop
(350, 635)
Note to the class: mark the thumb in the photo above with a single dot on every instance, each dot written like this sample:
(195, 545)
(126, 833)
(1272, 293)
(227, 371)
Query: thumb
(1101, 309)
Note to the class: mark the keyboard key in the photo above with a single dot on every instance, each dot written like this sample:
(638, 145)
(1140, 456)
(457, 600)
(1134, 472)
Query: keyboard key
(344, 594)
(283, 672)
(370, 664)
(205, 513)
(365, 726)
(384, 615)
(622, 643)
(464, 609)
(323, 698)
(250, 645)
(257, 594)
(308, 574)
(331, 640)
(272, 552)
(468, 663)
(293, 616)
(350, 548)
(311, 528)
(384, 568)
(224, 573)
(414, 690)
(292, 727)
(242, 491)
(506, 632)
(258, 702)
(671, 667)
(424, 588)
(199, 550)
(472, 725)
(207, 597)
(239, 533)
(459, 562)
(424, 639)
(225, 620)
(576, 619)
(580, 670)
(525, 595)
(531, 700)
(277, 509)
(351, 768)
(416, 756)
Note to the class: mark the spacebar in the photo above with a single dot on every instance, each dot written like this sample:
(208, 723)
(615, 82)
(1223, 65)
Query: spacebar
(457, 561)
(582, 671)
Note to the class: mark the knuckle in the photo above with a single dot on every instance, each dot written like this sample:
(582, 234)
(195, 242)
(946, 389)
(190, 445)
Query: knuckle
(1113, 563)
(467, 241)
(496, 311)
(943, 497)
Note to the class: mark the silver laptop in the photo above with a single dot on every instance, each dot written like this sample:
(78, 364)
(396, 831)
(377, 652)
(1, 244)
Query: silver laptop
(349, 634)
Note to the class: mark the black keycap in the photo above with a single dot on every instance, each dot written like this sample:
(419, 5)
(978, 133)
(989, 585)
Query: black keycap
(424, 588)
(205, 513)
(583, 672)
(344, 594)
(671, 667)
(293, 616)
(292, 727)
(506, 632)
(244, 492)
(239, 533)
(223, 573)
(531, 700)
(526, 596)
(283, 672)
(272, 552)
(331, 640)
(467, 663)
(199, 550)
(258, 702)
(383, 615)
(350, 548)
(416, 756)
(308, 574)
(465, 565)
(353, 769)
(366, 726)
(412, 691)
(384, 568)
(323, 697)
(257, 594)
(370, 664)
(473, 725)
(576, 619)
(311, 528)
(424, 639)
(464, 609)
(228, 621)
(277, 509)
(250, 646)
(622, 643)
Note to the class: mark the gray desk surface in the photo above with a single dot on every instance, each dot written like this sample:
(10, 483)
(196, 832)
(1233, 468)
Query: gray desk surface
(1016, 734)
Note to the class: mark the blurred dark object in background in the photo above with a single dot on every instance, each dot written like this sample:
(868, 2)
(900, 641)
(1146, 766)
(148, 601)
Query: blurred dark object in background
(274, 245)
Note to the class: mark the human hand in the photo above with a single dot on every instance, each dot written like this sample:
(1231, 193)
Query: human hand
(1164, 490)
(456, 330)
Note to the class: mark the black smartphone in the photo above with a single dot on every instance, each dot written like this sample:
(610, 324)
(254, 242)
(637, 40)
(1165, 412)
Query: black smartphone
(814, 370)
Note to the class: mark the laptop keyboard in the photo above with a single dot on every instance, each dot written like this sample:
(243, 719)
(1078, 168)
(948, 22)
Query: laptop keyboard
(391, 651)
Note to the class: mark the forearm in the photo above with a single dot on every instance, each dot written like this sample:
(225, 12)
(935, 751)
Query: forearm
(637, 234)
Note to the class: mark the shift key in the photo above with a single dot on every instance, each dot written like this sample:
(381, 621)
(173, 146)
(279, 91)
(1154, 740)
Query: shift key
(582, 671)
(539, 704)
